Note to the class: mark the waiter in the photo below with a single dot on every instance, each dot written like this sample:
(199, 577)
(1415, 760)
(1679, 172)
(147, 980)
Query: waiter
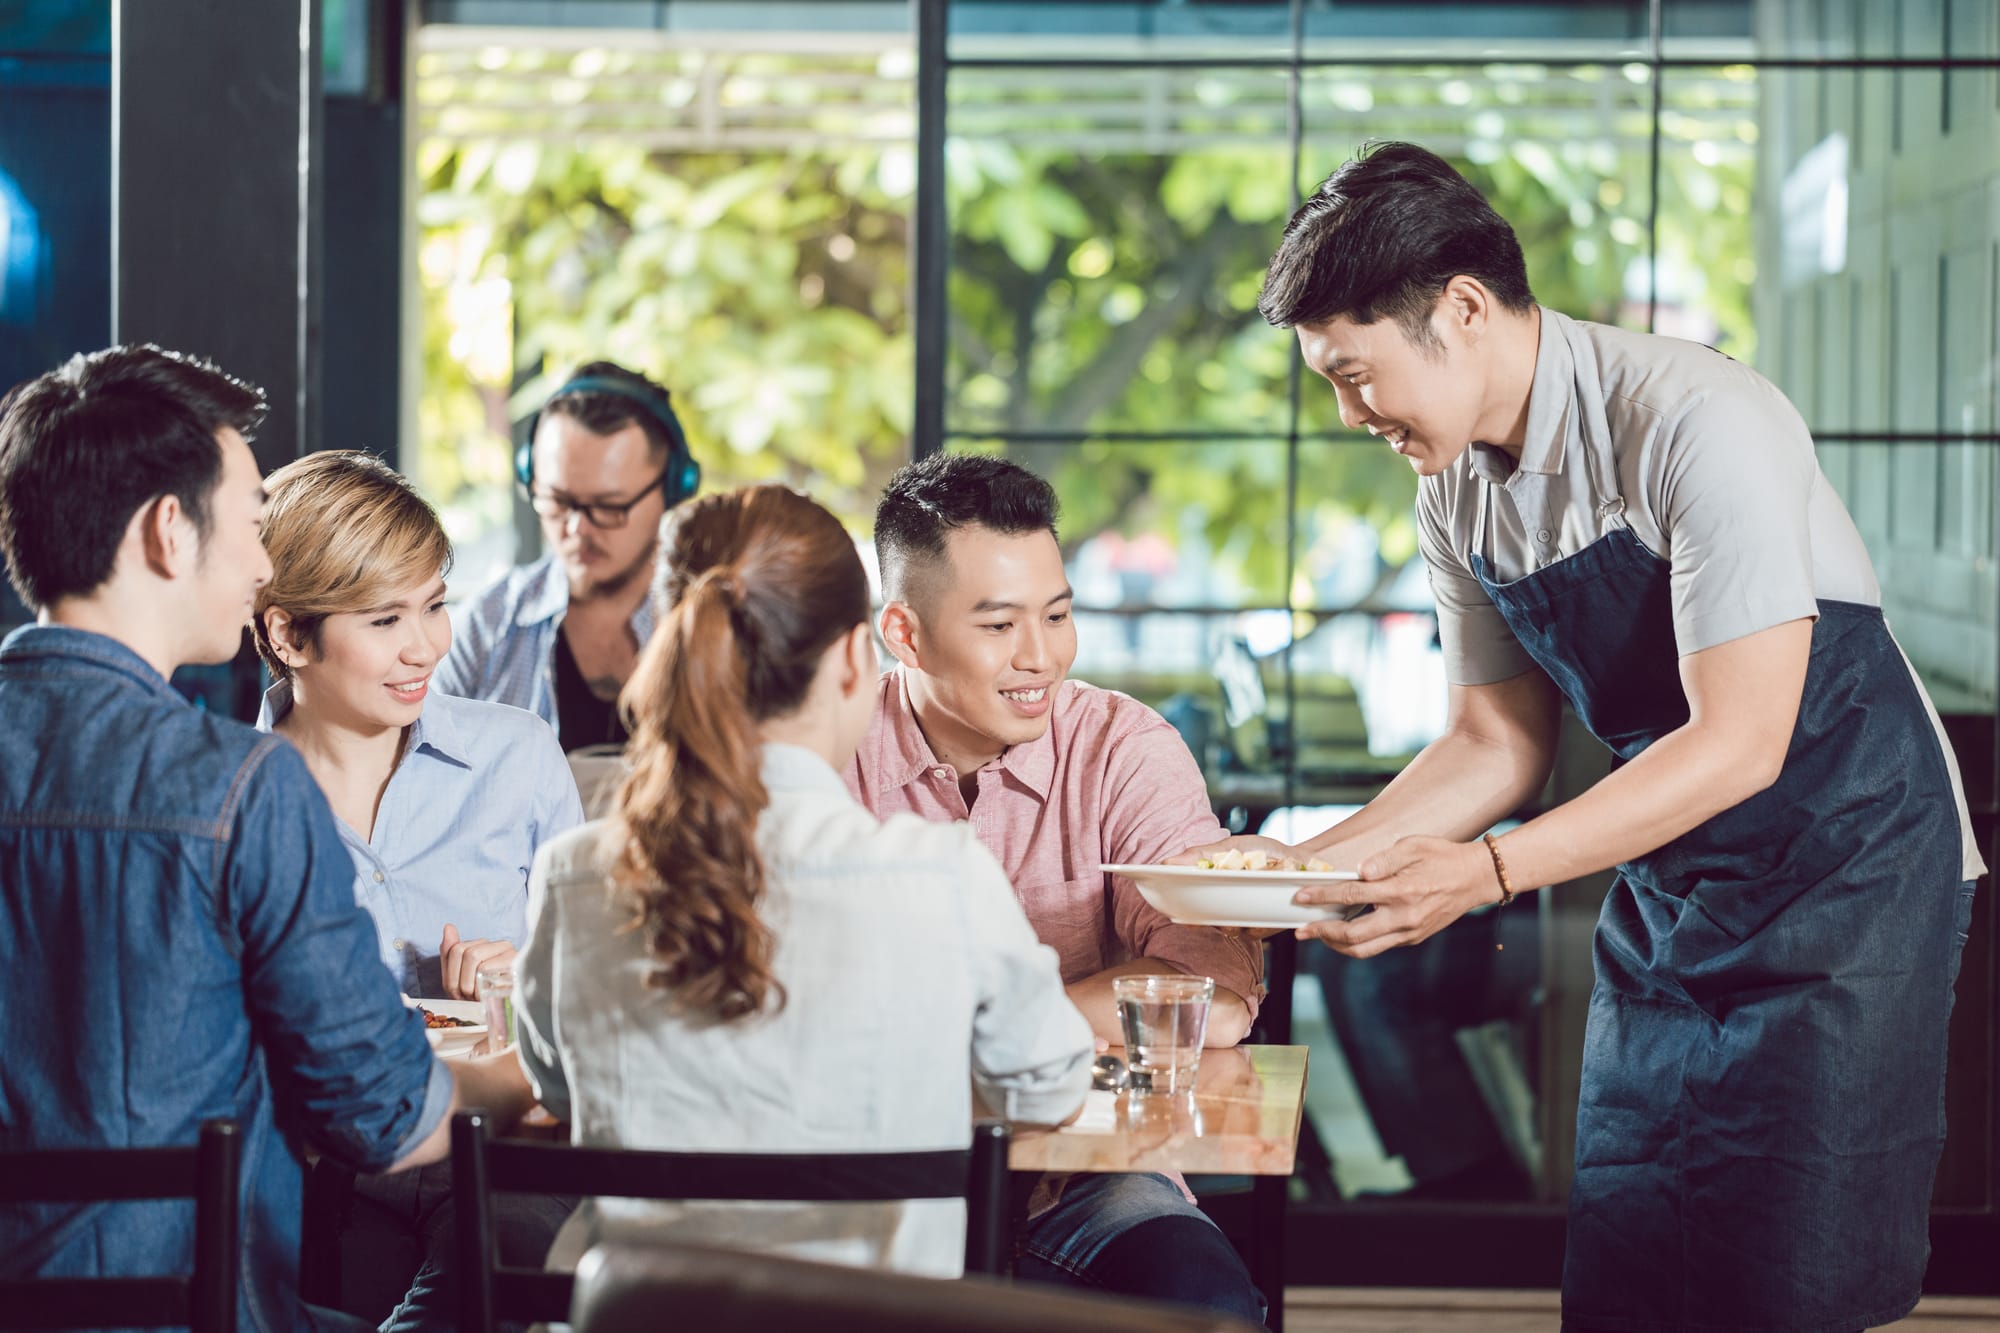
(1638, 524)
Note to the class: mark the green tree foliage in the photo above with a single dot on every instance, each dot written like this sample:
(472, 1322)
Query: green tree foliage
(1092, 294)
(767, 290)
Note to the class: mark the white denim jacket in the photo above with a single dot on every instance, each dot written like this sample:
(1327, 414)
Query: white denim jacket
(910, 975)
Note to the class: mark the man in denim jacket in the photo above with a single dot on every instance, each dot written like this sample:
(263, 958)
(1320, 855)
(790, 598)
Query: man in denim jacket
(179, 938)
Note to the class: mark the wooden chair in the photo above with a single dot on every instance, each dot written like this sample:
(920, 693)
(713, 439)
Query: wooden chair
(635, 1288)
(204, 1301)
(483, 1165)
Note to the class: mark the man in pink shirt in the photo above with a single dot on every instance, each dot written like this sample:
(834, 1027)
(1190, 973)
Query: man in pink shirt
(978, 722)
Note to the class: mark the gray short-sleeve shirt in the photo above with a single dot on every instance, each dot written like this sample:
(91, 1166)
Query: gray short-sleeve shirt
(1718, 475)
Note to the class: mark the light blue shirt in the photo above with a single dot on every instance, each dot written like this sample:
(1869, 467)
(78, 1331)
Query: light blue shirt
(504, 641)
(479, 788)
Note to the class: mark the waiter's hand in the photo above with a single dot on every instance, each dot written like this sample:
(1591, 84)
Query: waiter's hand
(1417, 886)
(460, 960)
(1241, 842)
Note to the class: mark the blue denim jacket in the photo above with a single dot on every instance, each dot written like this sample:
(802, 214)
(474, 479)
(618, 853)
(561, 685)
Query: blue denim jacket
(179, 940)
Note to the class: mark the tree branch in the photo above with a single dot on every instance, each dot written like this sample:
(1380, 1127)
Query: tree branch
(1106, 377)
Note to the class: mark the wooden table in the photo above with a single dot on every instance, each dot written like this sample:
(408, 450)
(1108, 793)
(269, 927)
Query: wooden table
(1241, 1119)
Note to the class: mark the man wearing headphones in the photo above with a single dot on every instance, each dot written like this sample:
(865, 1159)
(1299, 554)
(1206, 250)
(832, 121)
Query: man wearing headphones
(606, 458)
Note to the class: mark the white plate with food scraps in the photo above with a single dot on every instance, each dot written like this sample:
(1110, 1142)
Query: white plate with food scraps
(454, 1027)
(1254, 899)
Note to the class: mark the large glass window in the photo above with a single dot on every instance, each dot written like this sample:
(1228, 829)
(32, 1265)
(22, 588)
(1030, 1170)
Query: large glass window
(1805, 185)
(728, 214)
(1112, 183)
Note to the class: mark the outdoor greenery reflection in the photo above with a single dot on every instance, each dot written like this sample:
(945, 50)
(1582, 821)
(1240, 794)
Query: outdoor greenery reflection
(1096, 292)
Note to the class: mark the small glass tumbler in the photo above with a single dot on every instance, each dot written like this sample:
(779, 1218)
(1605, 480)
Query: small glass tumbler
(1164, 1019)
(496, 1000)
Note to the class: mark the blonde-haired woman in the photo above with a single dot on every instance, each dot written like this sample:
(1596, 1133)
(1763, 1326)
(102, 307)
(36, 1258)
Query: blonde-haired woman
(442, 802)
(742, 958)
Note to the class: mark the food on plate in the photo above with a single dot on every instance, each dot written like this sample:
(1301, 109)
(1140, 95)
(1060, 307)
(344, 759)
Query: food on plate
(1232, 858)
(433, 1020)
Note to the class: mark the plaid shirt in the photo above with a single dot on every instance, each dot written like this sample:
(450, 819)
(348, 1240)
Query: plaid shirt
(504, 640)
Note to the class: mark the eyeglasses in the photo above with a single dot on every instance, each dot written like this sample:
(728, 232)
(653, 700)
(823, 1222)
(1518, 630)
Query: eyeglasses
(557, 508)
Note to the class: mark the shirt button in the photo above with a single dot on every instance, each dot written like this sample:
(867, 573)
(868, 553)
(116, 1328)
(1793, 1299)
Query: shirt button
(940, 773)
(1542, 536)
(378, 877)
(399, 945)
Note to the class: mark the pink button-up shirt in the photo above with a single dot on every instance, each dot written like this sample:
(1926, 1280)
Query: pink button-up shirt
(1109, 781)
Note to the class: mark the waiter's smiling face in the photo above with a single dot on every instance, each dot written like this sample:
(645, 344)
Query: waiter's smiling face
(1424, 396)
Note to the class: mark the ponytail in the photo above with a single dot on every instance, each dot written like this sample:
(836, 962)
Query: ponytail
(755, 586)
(690, 810)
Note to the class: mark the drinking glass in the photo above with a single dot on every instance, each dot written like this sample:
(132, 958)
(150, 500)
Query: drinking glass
(1164, 1018)
(496, 999)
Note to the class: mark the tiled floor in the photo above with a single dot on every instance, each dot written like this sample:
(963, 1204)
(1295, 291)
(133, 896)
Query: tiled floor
(1382, 1310)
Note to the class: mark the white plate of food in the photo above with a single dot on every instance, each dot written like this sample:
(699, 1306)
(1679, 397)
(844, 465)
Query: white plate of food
(1257, 897)
(454, 1026)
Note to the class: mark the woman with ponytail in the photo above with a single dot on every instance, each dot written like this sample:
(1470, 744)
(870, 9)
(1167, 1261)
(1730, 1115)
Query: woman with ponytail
(741, 958)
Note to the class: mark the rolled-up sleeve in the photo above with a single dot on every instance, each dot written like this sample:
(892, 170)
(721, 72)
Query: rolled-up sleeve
(344, 1052)
(1031, 1049)
(1479, 646)
(1156, 806)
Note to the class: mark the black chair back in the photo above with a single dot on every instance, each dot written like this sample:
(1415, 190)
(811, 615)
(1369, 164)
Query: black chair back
(204, 1301)
(483, 1165)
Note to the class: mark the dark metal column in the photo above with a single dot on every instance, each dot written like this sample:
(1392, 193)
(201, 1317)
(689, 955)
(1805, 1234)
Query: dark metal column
(368, 176)
(215, 232)
(932, 243)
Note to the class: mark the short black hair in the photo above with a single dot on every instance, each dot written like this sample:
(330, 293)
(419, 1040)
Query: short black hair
(607, 413)
(89, 444)
(1382, 236)
(926, 501)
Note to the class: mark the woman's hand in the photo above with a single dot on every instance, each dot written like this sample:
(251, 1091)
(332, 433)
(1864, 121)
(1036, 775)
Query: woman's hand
(1417, 886)
(460, 961)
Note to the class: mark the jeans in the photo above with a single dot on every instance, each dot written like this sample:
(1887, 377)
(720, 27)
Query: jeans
(1137, 1235)
(398, 1245)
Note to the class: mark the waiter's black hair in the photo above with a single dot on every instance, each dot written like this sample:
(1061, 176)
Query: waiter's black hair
(1382, 236)
(925, 502)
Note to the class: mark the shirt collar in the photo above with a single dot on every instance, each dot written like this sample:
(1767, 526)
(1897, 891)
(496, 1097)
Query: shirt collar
(547, 595)
(547, 599)
(793, 768)
(643, 619)
(900, 754)
(435, 729)
(897, 751)
(82, 645)
(1551, 401)
(1033, 765)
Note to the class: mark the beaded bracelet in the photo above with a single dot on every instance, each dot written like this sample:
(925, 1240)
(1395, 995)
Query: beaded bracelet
(1500, 869)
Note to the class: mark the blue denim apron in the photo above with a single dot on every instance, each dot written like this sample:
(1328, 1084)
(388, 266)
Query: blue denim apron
(1763, 1069)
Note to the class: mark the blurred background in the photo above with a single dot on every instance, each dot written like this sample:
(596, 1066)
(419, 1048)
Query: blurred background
(846, 234)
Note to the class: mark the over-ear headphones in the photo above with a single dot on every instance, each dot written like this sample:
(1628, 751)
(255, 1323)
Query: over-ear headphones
(682, 475)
